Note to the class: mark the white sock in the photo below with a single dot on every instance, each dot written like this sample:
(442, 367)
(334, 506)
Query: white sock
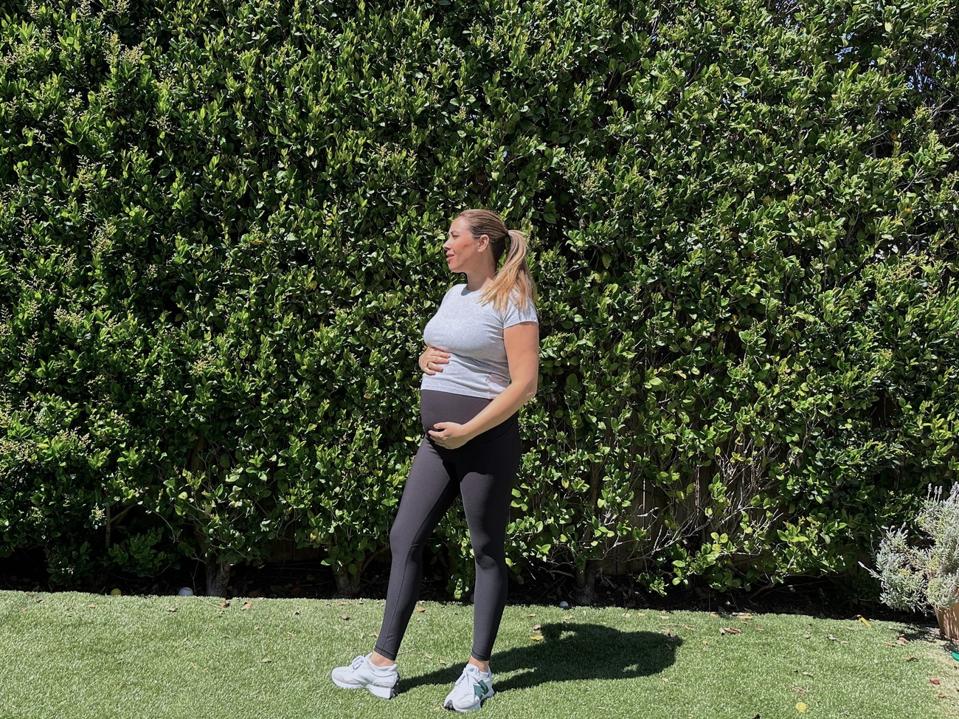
(378, 667)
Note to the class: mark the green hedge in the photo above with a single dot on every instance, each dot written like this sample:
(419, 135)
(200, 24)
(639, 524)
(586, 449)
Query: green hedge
(221, 237)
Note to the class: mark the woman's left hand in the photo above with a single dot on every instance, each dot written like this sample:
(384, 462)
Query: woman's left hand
(449, 434)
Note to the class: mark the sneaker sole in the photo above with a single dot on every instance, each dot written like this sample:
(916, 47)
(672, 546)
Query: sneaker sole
(381, 692)
(450, 706)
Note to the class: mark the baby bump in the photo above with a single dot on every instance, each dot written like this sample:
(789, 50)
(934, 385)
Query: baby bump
(437, 406)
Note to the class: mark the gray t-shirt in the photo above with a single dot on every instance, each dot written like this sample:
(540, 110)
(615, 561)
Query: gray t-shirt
(473, 335)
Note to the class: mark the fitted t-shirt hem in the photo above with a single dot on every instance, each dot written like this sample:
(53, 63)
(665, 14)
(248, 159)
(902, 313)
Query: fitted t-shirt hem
(450, 391)
(457, 390)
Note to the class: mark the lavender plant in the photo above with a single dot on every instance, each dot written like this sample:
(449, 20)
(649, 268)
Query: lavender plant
(913, 577)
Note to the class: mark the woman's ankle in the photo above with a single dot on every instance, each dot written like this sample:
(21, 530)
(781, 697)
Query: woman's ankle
(378, 660)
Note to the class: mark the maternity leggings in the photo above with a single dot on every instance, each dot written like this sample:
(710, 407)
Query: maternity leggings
(482, 471)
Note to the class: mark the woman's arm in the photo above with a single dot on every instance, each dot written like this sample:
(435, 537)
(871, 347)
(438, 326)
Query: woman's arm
(522, 353)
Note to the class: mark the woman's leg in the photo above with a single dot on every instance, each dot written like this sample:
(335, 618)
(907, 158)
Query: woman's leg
(430, 490)
(489, 471)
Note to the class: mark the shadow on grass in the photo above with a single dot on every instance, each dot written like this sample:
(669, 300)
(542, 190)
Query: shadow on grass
(569, 651)
(928, 634)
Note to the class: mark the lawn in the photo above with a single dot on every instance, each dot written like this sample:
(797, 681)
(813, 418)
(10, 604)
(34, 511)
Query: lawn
(69, 655)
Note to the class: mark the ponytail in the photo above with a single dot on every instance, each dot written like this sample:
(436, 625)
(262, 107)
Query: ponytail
(513, 276)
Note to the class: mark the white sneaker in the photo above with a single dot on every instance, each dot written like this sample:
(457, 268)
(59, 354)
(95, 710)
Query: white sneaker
(471, 689)
(379, 681)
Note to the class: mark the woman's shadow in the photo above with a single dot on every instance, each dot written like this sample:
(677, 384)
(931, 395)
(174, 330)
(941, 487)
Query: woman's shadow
(571, 651)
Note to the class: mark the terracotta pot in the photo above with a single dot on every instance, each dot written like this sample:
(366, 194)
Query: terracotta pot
(948, 621)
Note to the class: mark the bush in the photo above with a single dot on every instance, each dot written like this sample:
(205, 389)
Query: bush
(220, 240)
(914, 577)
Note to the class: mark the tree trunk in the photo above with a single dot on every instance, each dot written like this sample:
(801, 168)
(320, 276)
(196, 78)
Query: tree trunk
(584, 591)
(347, 585)
(217, 577)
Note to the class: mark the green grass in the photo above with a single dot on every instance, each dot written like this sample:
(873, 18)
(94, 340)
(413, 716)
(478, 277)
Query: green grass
(72, 655)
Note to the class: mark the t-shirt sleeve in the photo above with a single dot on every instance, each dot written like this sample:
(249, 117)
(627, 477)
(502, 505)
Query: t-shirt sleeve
(515, 315)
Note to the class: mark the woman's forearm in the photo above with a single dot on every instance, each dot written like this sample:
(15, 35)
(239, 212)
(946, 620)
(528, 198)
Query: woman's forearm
(499, 409)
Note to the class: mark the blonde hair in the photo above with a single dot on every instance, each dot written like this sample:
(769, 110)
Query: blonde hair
(514, 274)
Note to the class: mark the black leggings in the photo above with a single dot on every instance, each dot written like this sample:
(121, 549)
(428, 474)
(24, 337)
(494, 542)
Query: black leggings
(482, 471)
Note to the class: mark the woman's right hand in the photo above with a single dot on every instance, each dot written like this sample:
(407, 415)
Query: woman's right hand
(433, 359)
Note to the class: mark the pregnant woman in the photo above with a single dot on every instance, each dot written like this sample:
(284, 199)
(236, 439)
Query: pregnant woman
(479, 367)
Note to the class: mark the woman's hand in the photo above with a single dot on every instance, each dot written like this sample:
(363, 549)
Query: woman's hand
(449, 434)
(433, 359)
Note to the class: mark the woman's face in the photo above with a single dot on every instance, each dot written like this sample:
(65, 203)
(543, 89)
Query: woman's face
(461, 248)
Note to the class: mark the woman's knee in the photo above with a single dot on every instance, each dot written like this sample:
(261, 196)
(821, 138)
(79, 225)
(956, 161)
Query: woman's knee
(489, 553)
(401, 539)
